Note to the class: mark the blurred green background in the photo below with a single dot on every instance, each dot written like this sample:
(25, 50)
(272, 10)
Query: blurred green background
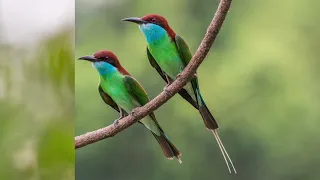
(261, 81)
(37, 110)
(36, 95)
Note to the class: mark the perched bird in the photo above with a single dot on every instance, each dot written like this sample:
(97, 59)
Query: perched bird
(124, 93)
(169, 54)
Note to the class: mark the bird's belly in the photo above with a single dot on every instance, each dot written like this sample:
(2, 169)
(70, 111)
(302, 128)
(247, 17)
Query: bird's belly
(117, 90)
(171, 68)
(170, 62)
(168, 59)
(121, 96)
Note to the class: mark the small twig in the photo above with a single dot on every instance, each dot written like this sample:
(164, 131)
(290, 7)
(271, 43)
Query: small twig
(186, 75)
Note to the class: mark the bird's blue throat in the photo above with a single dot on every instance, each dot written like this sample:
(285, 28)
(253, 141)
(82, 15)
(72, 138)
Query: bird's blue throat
(104, 68)
(152, 32)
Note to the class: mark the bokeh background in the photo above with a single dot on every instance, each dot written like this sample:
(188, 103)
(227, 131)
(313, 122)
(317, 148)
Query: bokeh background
(261, 81)
(37, 90)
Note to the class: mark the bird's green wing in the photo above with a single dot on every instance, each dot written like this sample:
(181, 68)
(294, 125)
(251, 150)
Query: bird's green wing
(107, 99)
(186, 56)
(141, 97)
(136, 90)
(183, 93)
(183, 50)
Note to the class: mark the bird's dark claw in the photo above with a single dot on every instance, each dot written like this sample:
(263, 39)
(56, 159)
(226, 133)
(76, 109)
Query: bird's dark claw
(195, 75)
(165, 89)
(116, 122)
(132, 112)
(178, 75)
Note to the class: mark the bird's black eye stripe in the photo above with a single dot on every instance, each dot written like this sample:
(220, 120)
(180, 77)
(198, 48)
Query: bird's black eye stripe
(113, 63)
(157, 22)
(110, 61)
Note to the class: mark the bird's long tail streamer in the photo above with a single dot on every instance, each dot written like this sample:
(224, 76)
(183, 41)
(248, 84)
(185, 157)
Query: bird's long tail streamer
(223, 151)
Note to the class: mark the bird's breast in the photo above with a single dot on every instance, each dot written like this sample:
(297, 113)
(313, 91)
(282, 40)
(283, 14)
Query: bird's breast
(167, 57)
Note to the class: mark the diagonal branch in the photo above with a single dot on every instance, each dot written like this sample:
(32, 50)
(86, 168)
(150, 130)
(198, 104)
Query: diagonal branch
(175, 87)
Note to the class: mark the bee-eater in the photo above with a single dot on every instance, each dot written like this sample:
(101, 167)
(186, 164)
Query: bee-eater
(124, 93)
(169, 54)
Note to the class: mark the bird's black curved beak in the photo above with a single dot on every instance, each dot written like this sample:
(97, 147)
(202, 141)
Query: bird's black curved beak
(134, 20)
(88, 58)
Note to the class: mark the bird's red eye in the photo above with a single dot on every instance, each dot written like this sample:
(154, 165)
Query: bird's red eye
(153, 20)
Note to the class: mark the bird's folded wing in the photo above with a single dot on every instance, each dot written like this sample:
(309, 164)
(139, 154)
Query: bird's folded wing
(141, 97)
(107, 99)
(186, 56)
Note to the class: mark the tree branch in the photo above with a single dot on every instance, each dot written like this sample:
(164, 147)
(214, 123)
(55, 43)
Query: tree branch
(163, 97)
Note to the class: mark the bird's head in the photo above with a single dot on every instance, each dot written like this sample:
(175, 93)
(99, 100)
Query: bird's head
(105, 61)
(152, 25)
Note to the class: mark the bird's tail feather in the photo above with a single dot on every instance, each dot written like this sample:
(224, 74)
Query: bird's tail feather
(207, 117)
(212, 125)
(224, 151)
(169, 150)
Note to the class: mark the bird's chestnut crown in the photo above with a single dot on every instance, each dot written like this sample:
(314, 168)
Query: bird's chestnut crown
(156, 19)
(107, 56)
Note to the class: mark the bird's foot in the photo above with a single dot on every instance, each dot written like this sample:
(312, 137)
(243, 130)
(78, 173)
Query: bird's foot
(165, 89)
(178, 75)
(195, 75)
(133, 112)
(116, 122)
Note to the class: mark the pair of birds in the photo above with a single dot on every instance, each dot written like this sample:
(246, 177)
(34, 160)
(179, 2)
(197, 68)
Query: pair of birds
(169, 54)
